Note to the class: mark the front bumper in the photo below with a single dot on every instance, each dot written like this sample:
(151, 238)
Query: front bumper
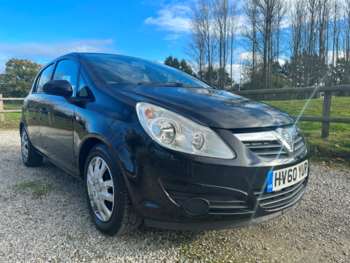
(213, 225)
(178, 191)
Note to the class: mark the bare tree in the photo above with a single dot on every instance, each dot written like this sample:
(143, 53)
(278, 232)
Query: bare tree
(297, 17)
(251, 33)
(268, 12)
(280, 14)
(202, 28)
(347, 30)
(198, 45)
(317, 28)
(312, 18)
(297, 24)
(323, 21)
(336, 30)
(221, 16)
(232, 29)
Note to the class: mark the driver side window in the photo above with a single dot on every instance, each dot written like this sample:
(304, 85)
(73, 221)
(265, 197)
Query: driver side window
(44, 77)
(67, 70)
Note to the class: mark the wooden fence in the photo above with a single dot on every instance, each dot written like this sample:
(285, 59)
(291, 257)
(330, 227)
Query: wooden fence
(328, 92)
(326, 117)
(2, 110)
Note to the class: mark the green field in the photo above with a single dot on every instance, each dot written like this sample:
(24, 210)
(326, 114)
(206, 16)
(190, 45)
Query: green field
(338, 143)
(11, 119)
(336, 146)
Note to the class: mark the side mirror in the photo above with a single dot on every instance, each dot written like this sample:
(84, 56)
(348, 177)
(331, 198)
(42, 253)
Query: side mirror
(59, 88)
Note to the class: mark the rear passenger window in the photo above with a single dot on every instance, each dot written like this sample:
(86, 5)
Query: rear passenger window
(67, 70)
(44, 77)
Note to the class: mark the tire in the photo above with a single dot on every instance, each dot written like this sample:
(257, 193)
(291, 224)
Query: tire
(30, 156)
(107, 195)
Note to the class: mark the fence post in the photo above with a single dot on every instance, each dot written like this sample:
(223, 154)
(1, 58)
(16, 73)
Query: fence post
(326, 114)
(2, 115)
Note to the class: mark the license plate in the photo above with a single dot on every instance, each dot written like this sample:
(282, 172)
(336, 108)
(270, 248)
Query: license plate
(283, 178)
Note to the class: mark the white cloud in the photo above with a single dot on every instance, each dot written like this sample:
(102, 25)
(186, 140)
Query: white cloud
(54, 49)
(341, 54)
(246, 56)
(42, 52)
(240, 22)
(237, 72)
(172, 18)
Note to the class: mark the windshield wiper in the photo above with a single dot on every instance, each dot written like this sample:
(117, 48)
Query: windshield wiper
(169, 84)
(161, 84)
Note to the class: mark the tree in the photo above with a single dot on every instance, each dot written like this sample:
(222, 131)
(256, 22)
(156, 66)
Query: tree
(221, 16)
(306, 75)
(347, 30)
(309, 41)
(18, 77)
(169, 61)
(214, 74)
(323, 20)
(182, 65)
(203, 38)
(339, 73)
(172, 62)
(251, 35)
(270, 13)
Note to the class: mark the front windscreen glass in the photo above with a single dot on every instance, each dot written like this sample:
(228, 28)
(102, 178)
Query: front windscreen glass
(116, 70)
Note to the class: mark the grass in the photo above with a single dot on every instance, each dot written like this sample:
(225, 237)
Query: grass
(38, 189)
(11, 119)
(336, 146)
(338, 143)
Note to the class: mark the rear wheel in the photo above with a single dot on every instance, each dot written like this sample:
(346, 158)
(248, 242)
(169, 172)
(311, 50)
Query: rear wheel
(30, 156)
(109, 203)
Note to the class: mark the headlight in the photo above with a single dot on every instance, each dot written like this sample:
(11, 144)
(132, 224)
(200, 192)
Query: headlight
(178, 133)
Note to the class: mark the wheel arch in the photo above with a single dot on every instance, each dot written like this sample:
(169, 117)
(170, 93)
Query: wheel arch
(84, 150)
(122, 159)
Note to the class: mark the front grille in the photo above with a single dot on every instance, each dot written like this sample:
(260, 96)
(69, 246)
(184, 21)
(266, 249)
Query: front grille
(232, 207)
(299, 146)
(267, 149)
(269, 145)
(282, 199)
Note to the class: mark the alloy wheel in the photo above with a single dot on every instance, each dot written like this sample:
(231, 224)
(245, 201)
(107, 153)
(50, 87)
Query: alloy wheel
(100, 188)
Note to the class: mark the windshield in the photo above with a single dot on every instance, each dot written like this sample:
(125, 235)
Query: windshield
(115, 69)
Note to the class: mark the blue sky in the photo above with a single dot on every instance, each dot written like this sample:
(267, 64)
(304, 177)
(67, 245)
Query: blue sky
(42, 30)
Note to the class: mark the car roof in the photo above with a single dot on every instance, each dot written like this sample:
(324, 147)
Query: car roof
(86, 54)
(82, 55)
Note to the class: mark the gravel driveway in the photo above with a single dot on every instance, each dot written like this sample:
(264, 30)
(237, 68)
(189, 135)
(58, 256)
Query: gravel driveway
(43, 217)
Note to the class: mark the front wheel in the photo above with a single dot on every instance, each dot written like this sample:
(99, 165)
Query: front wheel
(108, 199)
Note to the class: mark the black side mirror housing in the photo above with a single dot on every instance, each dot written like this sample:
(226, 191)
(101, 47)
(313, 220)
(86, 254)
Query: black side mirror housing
(59, 88)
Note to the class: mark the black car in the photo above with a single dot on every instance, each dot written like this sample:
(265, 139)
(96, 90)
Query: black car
(157, 146)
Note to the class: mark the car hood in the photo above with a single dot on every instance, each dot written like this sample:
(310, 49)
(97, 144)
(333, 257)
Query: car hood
(214, 108)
